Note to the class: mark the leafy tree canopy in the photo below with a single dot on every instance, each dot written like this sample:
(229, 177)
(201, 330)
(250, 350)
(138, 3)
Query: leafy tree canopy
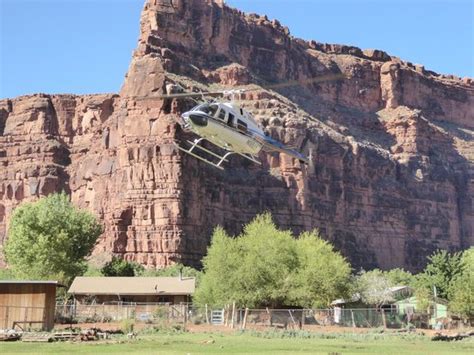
(400, 277)
(461, 291)
(441, 270)
(322, 274)
(121, 267)
(50, 238)
(374, 287)
(265, 266)
(173, 270)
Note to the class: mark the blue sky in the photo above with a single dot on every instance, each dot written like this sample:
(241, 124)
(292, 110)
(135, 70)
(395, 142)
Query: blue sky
(85, 46)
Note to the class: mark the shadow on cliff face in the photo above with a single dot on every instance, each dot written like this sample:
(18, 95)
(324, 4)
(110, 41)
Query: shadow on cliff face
(121, 238)
(3, 120)
(233, 197)
(444, 182)
(378, 211)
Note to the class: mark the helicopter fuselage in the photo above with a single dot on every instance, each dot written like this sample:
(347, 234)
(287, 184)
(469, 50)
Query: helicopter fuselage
(224, 125)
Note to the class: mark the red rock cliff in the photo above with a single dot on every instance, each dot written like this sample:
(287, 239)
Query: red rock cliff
(391, 146)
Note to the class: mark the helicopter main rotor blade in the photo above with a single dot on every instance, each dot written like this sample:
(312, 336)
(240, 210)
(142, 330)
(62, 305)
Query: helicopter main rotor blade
(183, 95)
(190, 94)
(180, 95)
(318, 79)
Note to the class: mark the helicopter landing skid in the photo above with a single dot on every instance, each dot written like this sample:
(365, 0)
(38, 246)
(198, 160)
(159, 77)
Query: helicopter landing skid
(192, 151)
(195, 145)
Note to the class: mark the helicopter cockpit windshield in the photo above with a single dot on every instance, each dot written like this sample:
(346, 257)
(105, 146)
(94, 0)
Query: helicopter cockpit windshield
(208, 109)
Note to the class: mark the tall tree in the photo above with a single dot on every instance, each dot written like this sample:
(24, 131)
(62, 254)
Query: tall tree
(265, 266)
(461, 291)
(218, 283)
(442, 268)
(322, 274)
(268, 259)
(50, 238)
(374, 287)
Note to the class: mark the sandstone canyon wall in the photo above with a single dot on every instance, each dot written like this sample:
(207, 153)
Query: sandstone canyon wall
(392, 146)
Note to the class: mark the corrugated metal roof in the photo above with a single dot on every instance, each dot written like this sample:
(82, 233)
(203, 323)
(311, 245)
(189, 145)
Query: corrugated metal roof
(132, 286)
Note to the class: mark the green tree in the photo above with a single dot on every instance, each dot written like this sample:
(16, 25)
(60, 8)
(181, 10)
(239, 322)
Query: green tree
(265, 266)
(400, 277)
(121, 267)
(441, 270)
(6, 274)
(374, 287)
(461, 291)
(173, 270)
(219, 279)
(322, 274)
(50, 238)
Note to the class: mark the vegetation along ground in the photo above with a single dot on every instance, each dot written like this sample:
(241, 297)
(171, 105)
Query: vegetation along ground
(274, 342)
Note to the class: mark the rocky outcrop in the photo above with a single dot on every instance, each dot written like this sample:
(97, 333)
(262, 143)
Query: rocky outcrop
(391, 145)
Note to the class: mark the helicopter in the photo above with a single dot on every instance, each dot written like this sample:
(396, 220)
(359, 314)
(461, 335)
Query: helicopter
(230, 127)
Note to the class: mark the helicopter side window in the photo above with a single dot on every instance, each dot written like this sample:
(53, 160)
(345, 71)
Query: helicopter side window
(222, 114)
(242, 126)
(230, 120)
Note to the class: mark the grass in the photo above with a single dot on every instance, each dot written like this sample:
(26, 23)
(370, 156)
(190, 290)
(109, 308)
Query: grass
(249, 343)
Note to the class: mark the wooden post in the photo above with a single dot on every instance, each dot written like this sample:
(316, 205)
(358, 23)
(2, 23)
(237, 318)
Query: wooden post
(207, 316)
(185, 307)
(292, 319)
(7, 311)
(384, 320)
(269, 317)
(353, 321)
(244, 322)
(302, 319)
(232, 323)
(226, 315)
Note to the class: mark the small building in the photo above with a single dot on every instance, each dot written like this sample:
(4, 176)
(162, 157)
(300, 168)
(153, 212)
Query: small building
(100, 290)
(437, 308)
(27, 304)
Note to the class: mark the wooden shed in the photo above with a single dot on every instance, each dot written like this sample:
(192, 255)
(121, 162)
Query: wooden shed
(27, 304)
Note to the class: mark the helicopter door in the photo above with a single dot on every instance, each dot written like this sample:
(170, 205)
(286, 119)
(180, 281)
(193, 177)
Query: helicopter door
(242, 126)
(230, 120)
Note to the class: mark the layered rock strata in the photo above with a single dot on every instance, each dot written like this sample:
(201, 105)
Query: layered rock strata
(392, 145)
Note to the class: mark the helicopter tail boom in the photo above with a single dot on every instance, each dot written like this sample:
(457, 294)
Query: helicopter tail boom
(272, 145)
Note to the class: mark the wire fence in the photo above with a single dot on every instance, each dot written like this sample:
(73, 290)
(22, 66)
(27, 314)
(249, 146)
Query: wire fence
(238, 318)
(103, 313)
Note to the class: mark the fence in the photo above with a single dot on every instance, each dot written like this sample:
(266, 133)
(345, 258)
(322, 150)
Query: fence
(242, 318)
(141, 312)
(310, 318)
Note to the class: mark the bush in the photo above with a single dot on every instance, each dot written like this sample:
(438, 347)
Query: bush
(127, 325)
